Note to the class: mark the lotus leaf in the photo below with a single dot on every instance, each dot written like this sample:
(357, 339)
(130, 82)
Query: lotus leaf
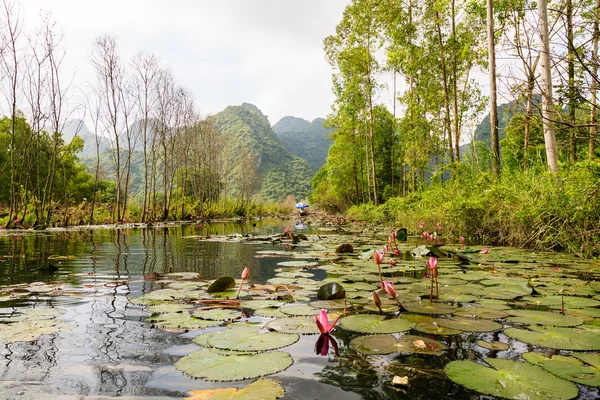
(331, 291)
(433, 328)
(248, 338)
(531, 317)
(568, 368)
(169, 308)
(330, 304)
(30, 330)
(388, 344)
(270, 312)
(579, 338)
(375, 324)
(162, 296)
(298, 310)
(493, 345)
(262, 389)
(215, 367)
(183, 275)
(481, 312)
(221, 284)
(217, 314)
(187, 285)
(300, 325)
(510, 380)
(429, 308)
(469, 324)
(180, 321)
(298, 263)
(570, 301)
(256, 304)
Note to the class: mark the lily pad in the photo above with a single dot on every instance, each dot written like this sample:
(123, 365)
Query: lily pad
(269, 312)
(221, 284)
(331, 291)
(298, 310)
(481, 312)
(469, 324)
(388, 344)
(249, 338)
(375, 324)
(169, 308)
(178, 321)
(30, 330)
(217, 314)
(531, 317)
(262, 389)
(493, 345)
(216, 367)
(429, 308)
(256, 304)
(578, 338)
(433, 328)
(510, 380)
(568, 368)
(299, 325)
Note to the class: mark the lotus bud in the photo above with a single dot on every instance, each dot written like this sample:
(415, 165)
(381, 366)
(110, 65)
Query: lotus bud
(378, 256)
(245, 273)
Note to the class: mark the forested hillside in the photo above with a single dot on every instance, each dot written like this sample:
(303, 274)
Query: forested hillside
(256, 160)
(307, 140)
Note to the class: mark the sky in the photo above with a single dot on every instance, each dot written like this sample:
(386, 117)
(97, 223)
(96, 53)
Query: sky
(226, 52)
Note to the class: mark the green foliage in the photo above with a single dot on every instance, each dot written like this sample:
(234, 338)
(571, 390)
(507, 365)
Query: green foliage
(524, 209)
(307, 140)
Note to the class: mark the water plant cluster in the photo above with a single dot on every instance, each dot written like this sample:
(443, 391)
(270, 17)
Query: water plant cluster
(497, 321)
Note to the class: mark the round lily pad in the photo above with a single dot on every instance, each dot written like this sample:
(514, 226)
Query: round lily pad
(510, 380)
(263, 389)
(298, 263)
(330, 304)
(577, 338)
(298, 310)
(493, 345)
(169, 308)
(481, 312)
(568, 368)
(531, 317)
(30, 330)
(388, 344)
(270, 312)
(221, 284)
(569, 301)
(426, 307)
(181, 321)
(215, 367)
(433, 328)
(469, 324)
(256, 304)
(217, 314)
(375, 324)
(299, 325)
(249, 338)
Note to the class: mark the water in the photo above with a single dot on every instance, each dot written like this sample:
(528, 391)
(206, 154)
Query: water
(93, 274)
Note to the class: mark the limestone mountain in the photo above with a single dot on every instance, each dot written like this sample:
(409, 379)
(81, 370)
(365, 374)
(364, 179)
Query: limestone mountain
(78, 127)
(256, 161)
(307, 140)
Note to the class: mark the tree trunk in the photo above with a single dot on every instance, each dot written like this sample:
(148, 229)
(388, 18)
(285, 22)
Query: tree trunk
(546, 86)
(594, 88)
(493, 106)
(571, 88)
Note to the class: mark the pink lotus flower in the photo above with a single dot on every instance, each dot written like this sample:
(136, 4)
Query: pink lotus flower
(396, 252)
(425, 235)
(323, 323)
(394, 235)
(462, 239)
(354, 223)
(390, 289)
(378, 257)
(1, 227)
(439, 226)
(431, 237)
(17, 220)
(386, 249)
(245, 275)
(432, 264)
(287, 230)
(485, 250)
(421, 224)
(390, 240)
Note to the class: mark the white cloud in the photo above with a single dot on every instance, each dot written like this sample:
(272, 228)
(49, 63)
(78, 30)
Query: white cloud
(265, 52)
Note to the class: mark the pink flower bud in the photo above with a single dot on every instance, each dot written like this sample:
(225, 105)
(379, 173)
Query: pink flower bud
(245, 273)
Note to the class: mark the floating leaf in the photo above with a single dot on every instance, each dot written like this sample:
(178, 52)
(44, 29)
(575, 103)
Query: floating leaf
(375, 324)
(169, 308)
(510, 380)
(215, 367)
(531, 317)
(30, 330)
(299, 325)
(217, 314)
(331, 291)
(434, 328)
(298, 310)
(180, 321)
(221, 284)
(481, 312)
(429, 308)
(248, 338)
(331, 304)
(578, 338)
(388, 344)
(469, 324)
(568, 368)
(256, 304)
(556, 301)
(269, 312)
(493, 345)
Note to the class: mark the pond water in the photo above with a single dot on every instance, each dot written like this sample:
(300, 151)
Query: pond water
(103, 342)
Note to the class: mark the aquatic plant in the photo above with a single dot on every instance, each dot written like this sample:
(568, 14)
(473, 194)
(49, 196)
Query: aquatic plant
(322, 345)
(432, 263)
(485, 250)
(462, 241)
(323, 323)
(377, 301)
(245, 275)
(378, 257)
(390, 288)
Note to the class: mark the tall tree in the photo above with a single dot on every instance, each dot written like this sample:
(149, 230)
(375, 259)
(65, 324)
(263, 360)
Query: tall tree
(493, 91)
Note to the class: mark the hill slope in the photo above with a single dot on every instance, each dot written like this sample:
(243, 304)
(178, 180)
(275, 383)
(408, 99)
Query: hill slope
(307, 140)
(254, 151)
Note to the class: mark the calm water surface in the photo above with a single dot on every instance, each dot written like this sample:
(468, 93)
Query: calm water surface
(113, 352)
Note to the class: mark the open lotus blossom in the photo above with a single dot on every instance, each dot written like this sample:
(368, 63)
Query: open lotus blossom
(390, 288)
(485, 250)
(245, 275)
(323, 322)
(377, 301)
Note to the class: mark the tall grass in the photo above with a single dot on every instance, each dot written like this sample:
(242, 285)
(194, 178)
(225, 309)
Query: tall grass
(530, 209)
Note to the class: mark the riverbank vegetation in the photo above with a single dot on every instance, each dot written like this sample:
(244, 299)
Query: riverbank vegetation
(528, 175)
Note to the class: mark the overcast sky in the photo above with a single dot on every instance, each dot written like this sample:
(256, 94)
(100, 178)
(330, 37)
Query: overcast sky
(265, 52)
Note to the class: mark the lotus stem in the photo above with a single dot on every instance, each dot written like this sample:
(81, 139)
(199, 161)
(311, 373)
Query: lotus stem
(431, 290)
(562, 300)
(437, 294)
(240, 289)
(290, 292)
